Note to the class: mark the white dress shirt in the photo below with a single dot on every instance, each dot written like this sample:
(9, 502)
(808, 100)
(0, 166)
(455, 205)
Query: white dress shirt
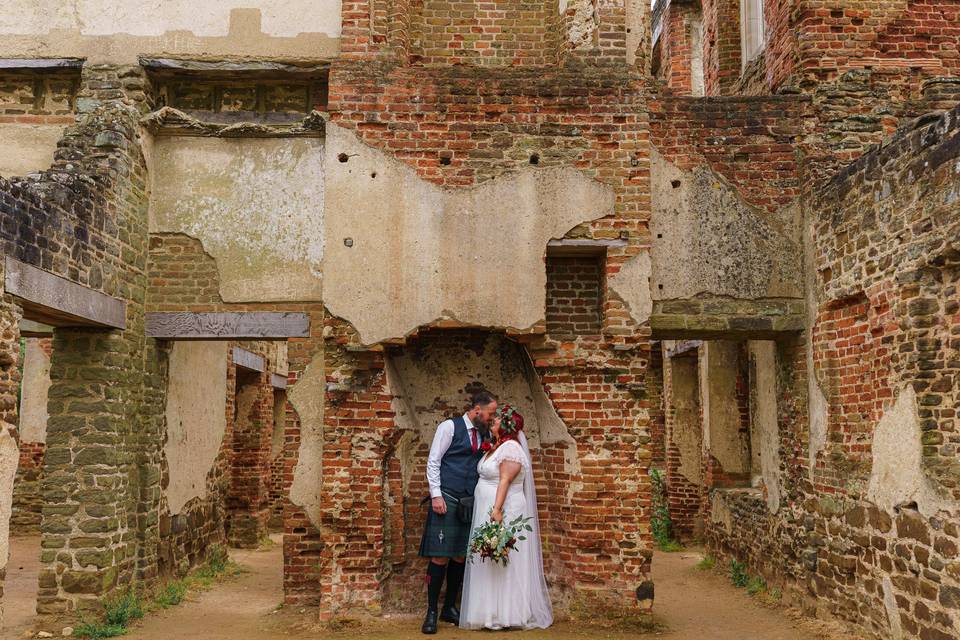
(442, 440)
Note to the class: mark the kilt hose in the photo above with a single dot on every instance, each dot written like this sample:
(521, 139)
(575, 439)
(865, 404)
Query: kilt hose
(445, 536)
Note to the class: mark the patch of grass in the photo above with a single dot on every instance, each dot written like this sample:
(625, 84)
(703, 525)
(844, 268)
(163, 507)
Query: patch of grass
(769, 597)
(756, 586)
(707, 563)
(121, 610)
(738, 574)
(97, 630)
(171, 594)
(670, 546)
(660, 522)
(117, 614)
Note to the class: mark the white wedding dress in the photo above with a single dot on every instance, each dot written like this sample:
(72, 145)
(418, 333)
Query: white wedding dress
(498, 597)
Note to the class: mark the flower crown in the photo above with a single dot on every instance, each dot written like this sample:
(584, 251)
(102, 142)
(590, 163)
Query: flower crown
(511, 422)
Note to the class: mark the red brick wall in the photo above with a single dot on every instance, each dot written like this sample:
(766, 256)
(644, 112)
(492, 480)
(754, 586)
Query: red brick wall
(655, 396)
(721, 46)
(684, 497)
(855, 367)
(574, 296)
(508, 32)
(749, 141)
(887, 320)
(676, 49)
(248, 500)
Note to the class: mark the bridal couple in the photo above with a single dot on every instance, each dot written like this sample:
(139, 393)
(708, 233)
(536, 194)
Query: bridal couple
(480, 470)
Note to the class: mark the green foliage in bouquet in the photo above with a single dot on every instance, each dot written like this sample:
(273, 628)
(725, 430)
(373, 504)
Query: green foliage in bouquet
(495, 540)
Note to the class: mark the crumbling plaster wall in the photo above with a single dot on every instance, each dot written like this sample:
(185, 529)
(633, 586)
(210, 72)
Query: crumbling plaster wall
(764, 428)
(303, 220)
(686, 430)
(474, 255)
(33, 394)
(116, 32)
(195, 417)
(430, 382)
(27, 148)
(256, 205)
(707, 240)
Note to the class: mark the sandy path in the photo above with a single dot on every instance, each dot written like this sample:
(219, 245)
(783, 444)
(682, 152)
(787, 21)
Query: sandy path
(703, 605)
(691, 605)
(20, 587)
(240, 608)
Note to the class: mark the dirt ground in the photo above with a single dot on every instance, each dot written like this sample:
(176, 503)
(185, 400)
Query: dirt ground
(690, 605)
(20, 587)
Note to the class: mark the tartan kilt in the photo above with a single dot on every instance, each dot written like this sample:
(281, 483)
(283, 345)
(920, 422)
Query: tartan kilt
(455, 538)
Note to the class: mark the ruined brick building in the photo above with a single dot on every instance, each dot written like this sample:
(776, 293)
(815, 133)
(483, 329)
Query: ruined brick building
(255, 251)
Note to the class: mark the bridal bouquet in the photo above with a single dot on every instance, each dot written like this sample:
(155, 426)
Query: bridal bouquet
(495, 540)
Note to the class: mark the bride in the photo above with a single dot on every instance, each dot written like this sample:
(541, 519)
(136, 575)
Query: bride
(494, 596)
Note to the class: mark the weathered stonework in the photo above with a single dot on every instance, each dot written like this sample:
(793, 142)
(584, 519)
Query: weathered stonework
(536, 188)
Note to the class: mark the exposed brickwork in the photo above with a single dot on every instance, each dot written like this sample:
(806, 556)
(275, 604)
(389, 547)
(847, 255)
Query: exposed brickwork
(574, 287)
(27, 501)
(887, 319)
(750, 141)
(510, 32)
(721, 46)
(683, 421)
(657, 399)
(248, 500)
(38, 98)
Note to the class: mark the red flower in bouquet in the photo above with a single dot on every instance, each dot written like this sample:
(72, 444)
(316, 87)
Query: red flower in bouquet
(486, 446)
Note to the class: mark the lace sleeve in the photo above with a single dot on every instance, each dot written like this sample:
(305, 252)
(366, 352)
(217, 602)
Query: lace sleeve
(512, 451)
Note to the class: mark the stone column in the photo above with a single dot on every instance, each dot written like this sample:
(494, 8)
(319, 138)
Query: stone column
(9, 452)
(726, 433)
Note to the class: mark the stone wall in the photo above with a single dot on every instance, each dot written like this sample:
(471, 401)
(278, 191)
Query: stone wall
(868, 528)
(90, 484)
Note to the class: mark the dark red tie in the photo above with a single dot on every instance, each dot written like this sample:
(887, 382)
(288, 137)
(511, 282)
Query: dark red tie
(473, 440)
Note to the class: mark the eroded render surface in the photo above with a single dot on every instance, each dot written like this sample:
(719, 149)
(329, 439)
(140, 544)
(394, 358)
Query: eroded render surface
(472, 255)
(33, 393)
(27, 148)
(708, 241)
(195, 416)
(105, 31)
(256, 205)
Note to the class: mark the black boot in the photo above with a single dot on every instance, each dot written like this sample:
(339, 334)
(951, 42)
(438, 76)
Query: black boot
(430, 622)
(435, 576)
(450, 611)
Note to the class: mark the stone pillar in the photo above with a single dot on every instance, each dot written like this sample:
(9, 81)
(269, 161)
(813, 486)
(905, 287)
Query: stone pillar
(248, 501)
(9, 453)
(726, 438)
(90, 481)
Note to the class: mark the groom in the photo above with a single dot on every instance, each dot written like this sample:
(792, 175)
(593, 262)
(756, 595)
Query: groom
(452, 475)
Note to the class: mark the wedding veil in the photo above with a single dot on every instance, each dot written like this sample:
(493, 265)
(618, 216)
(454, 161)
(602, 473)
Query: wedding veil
(540, 605)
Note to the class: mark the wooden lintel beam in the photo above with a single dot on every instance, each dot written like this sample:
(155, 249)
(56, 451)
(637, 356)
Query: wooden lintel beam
(230, 325)
(51, 299)
(249, 360)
